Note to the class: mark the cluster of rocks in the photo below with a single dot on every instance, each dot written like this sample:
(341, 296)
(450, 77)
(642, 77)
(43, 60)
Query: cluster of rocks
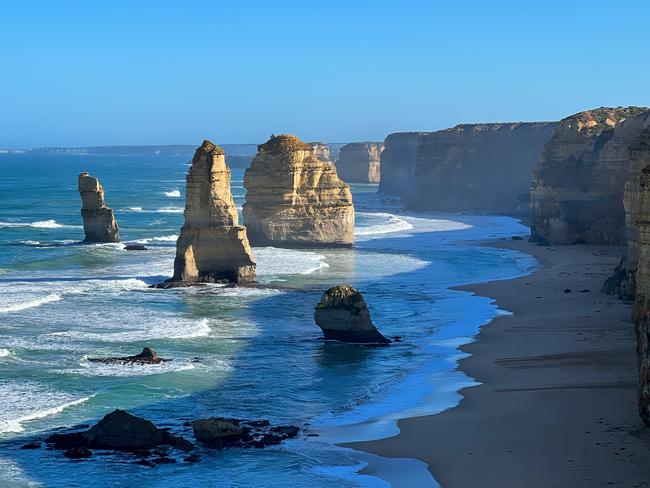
(122, 432)
(294, 197)
(147, 356)
(98, 219)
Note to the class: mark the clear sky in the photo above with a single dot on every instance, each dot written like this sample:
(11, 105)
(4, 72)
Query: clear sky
(163, 72)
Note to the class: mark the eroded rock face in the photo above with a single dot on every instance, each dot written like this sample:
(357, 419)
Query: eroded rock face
(212, 246)
(578, 184)
(321, 151)
(467, 168)
(342, 315)
(360, 162)
(99, 220)
(294, 199)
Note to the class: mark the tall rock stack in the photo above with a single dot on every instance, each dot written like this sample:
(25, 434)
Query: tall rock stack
(359, 162)
(212, 247)
(640, 219)
(295, 199)
(578, 184)
(99, 220)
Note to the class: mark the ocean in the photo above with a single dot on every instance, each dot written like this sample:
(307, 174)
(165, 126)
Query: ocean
(246, 352)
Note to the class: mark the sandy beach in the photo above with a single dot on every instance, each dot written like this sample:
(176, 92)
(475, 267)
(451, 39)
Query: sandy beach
(556, 406)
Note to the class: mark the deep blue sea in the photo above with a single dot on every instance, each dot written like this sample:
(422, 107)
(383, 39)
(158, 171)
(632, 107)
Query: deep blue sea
(258, 349)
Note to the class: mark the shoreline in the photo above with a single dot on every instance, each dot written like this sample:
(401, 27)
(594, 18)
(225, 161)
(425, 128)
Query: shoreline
(556, 399)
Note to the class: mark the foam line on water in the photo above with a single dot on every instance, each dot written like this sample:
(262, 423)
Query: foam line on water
(39, 224)
(273, 261)
(172, 193)
(24, 305)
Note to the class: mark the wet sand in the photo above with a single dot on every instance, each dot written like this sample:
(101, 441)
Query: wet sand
(556, 406)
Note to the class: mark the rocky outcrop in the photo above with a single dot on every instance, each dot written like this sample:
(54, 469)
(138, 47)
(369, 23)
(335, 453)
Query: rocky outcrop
(119, 431)
(294, 199)
(212, 247)
(578, 184)
(99, 220)
(467, 168)
(221, 433)
(342, 315)
(147, 356)
(360, 162)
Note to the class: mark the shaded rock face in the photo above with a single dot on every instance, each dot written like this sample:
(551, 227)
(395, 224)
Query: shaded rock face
(294, 199)
(212, 247)
(220, 433)
(342, 315)
(468, 168)
(99, 220)
(360, 162)
(578, 184)
(321, 151)
(147, 356)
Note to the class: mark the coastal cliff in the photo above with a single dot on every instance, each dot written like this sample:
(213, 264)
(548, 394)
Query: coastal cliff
(359, 162)
(321, 151)
(295, 199)
(212, 247)
(99, 220)
(467, 168)
(578, 184)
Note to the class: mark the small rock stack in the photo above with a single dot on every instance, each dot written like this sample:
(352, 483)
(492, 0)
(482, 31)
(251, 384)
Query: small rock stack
(99, 220)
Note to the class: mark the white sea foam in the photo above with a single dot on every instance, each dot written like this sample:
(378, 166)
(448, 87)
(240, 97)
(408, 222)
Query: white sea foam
(272, 261)
(25, 304)
(4, 353)
(169, 210)
(391, 223)
(39, 224)
(22, 401)
(170, 238)
(88, 368)
(135, 209)
(173, 193)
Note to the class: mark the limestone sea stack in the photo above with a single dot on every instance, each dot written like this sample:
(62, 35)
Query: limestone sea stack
(212, 247)
(359, 162)
(578, 184)
(99, 220)
(467, 168)
(294, 199)
(342, 315)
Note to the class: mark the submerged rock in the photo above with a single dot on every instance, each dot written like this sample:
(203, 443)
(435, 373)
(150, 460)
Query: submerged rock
(147, 356)
(135, 247)
(221, 433)
(295, 199)
(216, 432)
(99, 220)
(212, 246)
(343, 315)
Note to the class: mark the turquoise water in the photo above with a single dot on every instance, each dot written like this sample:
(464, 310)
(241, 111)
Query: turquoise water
(243, 352)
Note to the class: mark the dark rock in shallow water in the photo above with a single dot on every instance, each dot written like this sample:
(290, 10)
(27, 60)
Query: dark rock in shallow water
(67, 441)
(192, 458)
(78, 453)
(147, 356)
(31, 445)
(220, 433)
(135, 247)
(342, 315)
(119, 430)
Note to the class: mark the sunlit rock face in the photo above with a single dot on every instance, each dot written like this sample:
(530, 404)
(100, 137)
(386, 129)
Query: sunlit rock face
(360, 162)
(295, 199)
(637, 194)
(467, 168)
(212, 246)
(99, 220)
(578, 184)
(321, 151)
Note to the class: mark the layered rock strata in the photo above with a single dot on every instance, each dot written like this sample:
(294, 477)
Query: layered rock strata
(467, 168)
(342, 315)
(360, 162)
(212, 246)
(321, 151)
(99, 220)
(578, 184)
(295, 199)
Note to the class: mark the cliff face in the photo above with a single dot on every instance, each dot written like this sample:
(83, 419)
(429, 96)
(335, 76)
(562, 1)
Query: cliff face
(99, 220)
(470, 167)
(321, 151)
(212, 247)
(360, 162)
(295, 199)
(398, 163)
(638, 202)
(578, 184)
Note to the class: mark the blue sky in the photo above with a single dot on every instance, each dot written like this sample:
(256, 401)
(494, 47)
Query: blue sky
(162, 72)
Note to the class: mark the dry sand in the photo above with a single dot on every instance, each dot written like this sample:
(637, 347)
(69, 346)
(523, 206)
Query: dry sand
(557, 403)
